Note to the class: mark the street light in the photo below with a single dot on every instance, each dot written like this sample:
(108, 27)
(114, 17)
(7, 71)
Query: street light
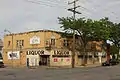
(12, 42)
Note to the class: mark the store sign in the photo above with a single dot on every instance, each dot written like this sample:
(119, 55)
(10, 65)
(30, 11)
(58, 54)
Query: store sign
(37, 52)
(35, 40)
(60, 52)
(68, 60)
(55, 60)
(99, 54)
(13, 55)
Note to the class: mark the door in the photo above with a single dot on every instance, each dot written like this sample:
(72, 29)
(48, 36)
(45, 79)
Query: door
(27, 62)
(44, 60)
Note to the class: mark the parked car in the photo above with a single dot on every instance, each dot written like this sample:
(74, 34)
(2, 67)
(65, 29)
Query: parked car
(2, 65)
(111, 62)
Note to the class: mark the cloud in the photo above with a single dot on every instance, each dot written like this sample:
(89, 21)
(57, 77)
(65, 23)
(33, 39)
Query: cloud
(19, 15)
(22, 16)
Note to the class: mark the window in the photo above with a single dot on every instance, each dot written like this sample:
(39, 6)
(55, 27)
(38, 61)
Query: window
(17, 43)
(65, 43)
(47, 43)
(20, 43)
(53, 42)
(93, 46)
(1, 56)
(9, 43)
(88, 46)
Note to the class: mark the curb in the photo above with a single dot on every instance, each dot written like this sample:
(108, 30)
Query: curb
(74, 67)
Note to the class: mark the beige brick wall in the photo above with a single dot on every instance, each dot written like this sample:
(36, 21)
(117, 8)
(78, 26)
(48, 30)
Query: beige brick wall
(26, 37)
(44, 35)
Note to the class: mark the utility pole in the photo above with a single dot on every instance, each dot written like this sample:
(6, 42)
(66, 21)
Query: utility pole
(74, 12)
(20, 46)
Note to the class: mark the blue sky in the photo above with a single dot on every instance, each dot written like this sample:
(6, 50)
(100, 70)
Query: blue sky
(21, 15)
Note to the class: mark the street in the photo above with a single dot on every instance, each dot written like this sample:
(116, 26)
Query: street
(98, 73)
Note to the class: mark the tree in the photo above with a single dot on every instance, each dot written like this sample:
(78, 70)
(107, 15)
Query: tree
(82, 27)
(87, 30)
(115, 35)
(113, 50)
(102, 29)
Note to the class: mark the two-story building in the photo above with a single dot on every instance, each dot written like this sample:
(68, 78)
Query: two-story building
(36, 48)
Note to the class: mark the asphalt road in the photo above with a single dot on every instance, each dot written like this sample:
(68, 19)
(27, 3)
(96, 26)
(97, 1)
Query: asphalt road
(98, 73)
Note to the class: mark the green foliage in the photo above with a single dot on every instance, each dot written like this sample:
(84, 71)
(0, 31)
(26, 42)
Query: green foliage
(114, 50)
(93, 30)
(115, 35)
(88, 29)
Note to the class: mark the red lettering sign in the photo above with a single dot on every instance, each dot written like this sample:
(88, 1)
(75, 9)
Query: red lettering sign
(55, 60)
(68, 60)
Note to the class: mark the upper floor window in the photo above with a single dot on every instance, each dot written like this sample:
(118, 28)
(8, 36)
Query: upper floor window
(9, 43)
(93, 46)
(20, 43)
(47, 43)
(53, 42)
(65, 43)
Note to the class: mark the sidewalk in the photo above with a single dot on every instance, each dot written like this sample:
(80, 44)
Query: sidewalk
(90, 65)
(78, 66)
(56, 67)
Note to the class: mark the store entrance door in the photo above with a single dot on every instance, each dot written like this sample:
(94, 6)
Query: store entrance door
(44, 60)
(27, 62)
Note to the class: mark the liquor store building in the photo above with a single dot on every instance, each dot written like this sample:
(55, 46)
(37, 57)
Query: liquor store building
(40, 48)
(36, 48)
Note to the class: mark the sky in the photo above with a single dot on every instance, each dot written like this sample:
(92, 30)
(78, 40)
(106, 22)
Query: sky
(28, 15)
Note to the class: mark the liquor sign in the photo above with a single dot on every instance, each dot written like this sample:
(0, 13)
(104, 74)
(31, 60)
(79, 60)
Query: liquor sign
(99, 54)
(37, 52)
(60, 52)
(35, 40)
(14, 55)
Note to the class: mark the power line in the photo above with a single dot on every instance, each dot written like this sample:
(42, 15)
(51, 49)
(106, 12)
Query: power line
(55, 5)
(39, 3)
(54, 1)
(46, 3)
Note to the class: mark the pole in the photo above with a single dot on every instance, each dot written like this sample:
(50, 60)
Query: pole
(74, 12)
(73, 55)
(108, 53)
(12, 50)
(20, 54)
